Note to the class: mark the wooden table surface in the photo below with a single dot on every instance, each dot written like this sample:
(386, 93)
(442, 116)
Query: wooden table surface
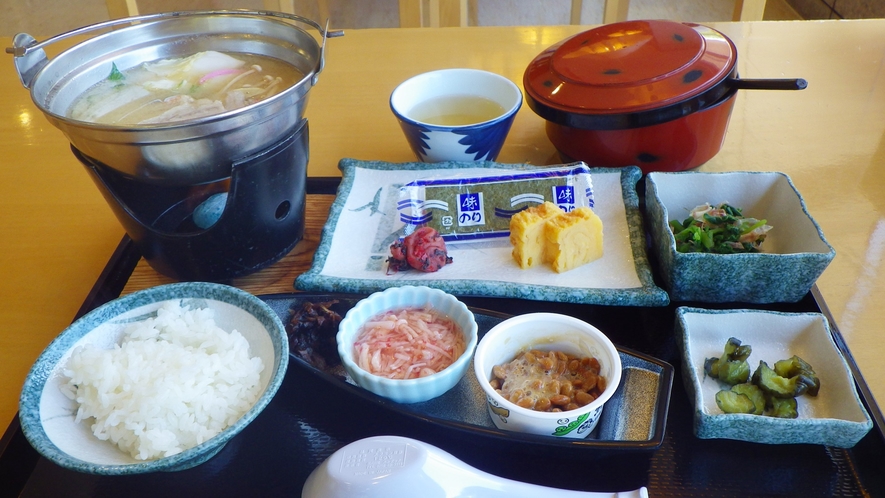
(58, 233)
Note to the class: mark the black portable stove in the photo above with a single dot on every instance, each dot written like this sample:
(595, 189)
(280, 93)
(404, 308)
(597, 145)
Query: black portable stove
(260, 221)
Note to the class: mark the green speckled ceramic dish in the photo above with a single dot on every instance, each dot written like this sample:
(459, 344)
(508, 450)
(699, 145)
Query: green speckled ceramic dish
(363, 222)
(48, 416)
(793, 256)
(835, 417)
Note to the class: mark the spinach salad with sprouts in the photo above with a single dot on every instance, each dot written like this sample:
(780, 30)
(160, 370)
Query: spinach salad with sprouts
(719, 229)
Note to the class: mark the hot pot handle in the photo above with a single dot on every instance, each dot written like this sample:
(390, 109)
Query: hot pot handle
(30, 57)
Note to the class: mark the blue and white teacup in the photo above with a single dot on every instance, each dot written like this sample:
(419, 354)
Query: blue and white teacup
(456, 114)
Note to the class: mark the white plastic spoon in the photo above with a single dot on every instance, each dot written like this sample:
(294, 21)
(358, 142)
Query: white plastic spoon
(393, 466)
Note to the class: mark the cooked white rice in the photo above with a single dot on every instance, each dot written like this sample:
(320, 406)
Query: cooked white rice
(172, 383)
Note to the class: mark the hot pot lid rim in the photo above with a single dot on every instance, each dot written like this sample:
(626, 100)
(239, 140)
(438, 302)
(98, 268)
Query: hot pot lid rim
(185, 34)
(631, 67)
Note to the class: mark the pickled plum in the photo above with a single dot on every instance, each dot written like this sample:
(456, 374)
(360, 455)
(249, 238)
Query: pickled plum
(424, 250)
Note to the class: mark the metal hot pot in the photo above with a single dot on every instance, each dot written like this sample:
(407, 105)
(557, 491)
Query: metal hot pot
(184, 153)
(211, 198)
(656, 94)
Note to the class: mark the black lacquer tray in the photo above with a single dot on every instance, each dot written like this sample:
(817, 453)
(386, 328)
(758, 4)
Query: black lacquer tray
(305, 424)
(633, 420)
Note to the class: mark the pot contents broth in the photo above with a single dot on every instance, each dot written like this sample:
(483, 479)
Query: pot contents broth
(456, 110)
(180, 89)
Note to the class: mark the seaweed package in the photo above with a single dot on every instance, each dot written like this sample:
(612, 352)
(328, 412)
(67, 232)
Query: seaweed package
(480, 206)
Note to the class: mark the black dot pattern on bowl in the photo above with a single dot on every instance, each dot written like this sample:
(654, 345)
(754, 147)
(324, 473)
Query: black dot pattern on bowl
(612, 71)
(678, 37)
(692, 75)
(548, 83)
(645, 157)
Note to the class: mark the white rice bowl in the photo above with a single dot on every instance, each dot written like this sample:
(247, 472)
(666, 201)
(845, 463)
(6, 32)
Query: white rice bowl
(174, 381)
(179, 417)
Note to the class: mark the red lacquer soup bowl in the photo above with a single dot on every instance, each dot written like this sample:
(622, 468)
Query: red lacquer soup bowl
(656, 94)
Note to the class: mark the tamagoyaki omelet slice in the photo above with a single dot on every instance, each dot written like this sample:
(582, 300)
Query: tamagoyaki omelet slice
(573, 239)
(527, 233)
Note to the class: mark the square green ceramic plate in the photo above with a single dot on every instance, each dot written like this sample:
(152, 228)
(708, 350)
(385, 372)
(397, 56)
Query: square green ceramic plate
(794, 254)
(835, 417)
(363, 222)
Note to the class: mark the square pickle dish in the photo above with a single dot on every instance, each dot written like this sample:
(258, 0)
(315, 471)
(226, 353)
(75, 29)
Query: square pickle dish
(633, 421)
(792, 257)
(835, 417)
(363, 222)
